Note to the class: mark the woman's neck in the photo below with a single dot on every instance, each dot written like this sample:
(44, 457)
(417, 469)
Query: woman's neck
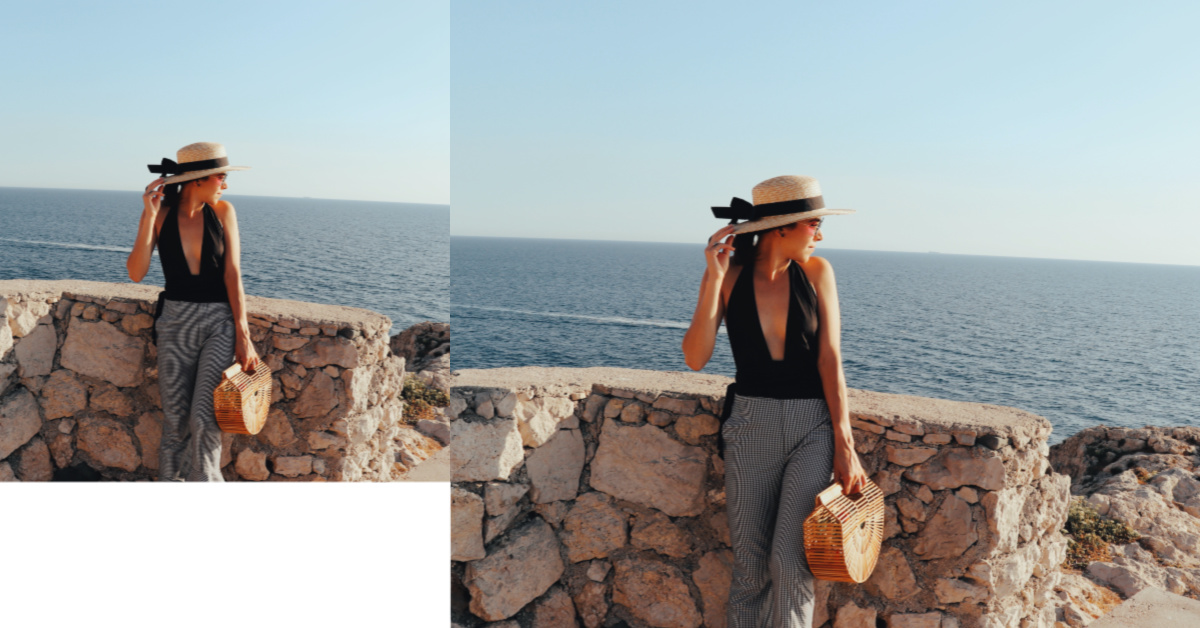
(189, 205)
(771, 262)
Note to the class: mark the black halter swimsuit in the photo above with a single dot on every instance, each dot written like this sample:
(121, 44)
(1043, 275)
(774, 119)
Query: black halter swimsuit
(182, 285)
(796, 376)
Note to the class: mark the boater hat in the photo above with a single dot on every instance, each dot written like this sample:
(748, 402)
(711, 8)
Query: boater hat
(777, 202)
(196, 161)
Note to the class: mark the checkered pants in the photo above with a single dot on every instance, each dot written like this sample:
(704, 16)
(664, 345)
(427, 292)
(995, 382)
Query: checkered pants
(778, 456)
(195, 344)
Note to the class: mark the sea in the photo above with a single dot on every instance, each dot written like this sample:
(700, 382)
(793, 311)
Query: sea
(1081, 343)
(393, 258)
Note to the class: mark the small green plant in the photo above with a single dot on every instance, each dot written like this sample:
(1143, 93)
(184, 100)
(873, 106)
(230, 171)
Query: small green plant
(1092, 535)
(420, 400)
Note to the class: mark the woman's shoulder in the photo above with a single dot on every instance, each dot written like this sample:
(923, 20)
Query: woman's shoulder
(224, 211)
(817, 269)
(223, 208)
(816, 266)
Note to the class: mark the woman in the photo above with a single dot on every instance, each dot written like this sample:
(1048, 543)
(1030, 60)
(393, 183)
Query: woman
(788, 425)
(201, 315)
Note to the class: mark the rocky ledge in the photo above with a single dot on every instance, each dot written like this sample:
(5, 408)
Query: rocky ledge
(595, 497)
(1146, 478)
(79, 392)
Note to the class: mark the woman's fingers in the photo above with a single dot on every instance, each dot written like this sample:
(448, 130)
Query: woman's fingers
(721, 233)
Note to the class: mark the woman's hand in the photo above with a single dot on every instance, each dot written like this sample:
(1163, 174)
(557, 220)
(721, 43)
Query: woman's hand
(246, 354)
(848, 471)
(152, 199)
(718, 252)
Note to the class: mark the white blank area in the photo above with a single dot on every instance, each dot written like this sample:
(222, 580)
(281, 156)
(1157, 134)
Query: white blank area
(220, 555)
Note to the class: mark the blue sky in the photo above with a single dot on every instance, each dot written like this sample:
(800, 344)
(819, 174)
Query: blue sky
(346, 100)
(1061, 130)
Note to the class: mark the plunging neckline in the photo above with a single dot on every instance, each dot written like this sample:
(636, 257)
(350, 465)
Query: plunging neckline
(203, 241)
(787, 311)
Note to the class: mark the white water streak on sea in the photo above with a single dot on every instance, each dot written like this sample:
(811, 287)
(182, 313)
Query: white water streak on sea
(75, 245)
(612, 320)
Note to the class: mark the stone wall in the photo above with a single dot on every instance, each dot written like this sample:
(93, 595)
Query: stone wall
(79, 392)
(595, 496)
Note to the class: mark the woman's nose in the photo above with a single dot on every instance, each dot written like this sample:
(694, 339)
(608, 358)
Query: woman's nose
(224, 185)
(818, 236)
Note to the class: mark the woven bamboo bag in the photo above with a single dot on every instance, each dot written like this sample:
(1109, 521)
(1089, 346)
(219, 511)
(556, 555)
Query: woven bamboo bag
(843, 535)
(242, 400)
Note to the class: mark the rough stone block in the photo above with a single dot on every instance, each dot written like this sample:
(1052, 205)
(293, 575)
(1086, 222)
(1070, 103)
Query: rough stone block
(644, 465)
(655, 592)
(63, 395)
(19, 421)
(713, 578)
(593, 528)
(102, 351)
(108, 443)
(252, 465)
(957, 467)
(481, 452)
(35, 352)
(517, 572)
(466, 525)
(293, 466)
(323, 351)
(554, 468)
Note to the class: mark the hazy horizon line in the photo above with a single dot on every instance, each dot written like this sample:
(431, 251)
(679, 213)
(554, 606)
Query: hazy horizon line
(833, 248)
(357, 200)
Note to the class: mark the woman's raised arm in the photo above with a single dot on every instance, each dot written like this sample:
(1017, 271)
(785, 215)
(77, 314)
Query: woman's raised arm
(701, 335)
(143, 248)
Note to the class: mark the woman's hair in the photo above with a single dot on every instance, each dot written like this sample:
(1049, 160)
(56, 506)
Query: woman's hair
(173, 192)
(171, 195)
(745, 249)
(745, 245)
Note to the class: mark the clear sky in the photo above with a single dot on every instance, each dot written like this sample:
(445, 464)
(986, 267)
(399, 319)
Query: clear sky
(1032, 129)
(344, 100)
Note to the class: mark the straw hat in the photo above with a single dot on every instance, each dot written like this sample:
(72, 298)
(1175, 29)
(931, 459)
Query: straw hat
(777, 202)
(196, 161)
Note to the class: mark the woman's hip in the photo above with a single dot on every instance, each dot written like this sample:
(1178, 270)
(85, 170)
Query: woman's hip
(194, 320)
(784, 422)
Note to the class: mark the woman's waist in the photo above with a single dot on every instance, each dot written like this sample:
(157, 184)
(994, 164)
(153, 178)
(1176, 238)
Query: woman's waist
(780, 384)
(196, 291)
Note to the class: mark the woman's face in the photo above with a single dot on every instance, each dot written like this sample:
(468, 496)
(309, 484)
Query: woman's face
(209, 188)
(802, 237)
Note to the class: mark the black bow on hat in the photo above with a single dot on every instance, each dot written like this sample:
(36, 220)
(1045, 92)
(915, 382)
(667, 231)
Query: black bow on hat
(169, 167)
(740, 209)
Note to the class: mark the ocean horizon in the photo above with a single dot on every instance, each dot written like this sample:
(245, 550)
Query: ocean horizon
(392, 258)
(1080, 342)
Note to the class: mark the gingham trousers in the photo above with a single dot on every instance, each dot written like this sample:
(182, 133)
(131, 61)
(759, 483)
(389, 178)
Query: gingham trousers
(778, 456)
(195, 344)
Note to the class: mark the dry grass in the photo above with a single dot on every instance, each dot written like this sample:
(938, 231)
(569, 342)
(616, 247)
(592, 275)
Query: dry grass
(1092, 536)
(421, 401)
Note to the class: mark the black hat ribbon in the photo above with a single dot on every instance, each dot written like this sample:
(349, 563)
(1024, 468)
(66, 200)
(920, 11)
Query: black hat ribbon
(169, 167)
(740, 209)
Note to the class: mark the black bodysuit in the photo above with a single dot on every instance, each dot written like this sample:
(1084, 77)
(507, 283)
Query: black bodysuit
(796, 376)
(182, 285)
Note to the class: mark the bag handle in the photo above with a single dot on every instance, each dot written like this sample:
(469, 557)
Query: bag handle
(825, 497)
